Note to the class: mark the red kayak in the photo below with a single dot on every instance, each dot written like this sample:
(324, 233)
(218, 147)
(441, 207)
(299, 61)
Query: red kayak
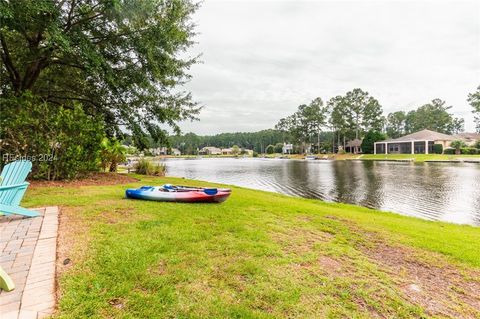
(185, 194)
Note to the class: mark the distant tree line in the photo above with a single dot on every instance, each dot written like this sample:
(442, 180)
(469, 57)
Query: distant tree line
(259, 142)
(190, 143)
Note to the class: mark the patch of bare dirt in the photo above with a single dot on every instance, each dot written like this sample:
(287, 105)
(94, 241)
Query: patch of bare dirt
(92, 179)
(117, 303)
(305, 218)
(119, 212)
(425, 278)
(329, 264)
(300, 240)
(366, 308)
(428, 281)
(159, 269)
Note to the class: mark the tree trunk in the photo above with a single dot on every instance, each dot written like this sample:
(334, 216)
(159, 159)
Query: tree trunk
(333, 142)
(318, 142)
(113, 167)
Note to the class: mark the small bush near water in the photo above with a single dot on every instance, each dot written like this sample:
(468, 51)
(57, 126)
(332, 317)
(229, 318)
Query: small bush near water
(437, 148)
(469, 150)
(145, 167)
(449, 151)
(463, 151)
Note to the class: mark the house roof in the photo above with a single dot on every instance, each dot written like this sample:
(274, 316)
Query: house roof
(469, 136)
(424, 135)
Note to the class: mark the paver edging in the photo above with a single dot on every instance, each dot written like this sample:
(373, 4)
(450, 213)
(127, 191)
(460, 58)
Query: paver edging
(35, 294)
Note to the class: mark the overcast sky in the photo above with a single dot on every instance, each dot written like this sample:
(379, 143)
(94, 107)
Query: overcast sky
(261, 59)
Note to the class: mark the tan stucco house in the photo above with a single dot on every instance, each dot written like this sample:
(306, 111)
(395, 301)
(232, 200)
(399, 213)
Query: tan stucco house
(416, 143)
(210, 150)
(227, 151)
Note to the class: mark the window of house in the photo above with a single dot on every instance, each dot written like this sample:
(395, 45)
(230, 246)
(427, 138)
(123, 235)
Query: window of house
(393, 148)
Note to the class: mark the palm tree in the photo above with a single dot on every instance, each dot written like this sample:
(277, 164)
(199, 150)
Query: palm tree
(113, 153)
(457, 145)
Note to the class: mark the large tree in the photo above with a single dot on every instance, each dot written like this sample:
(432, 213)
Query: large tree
(365, 112)
(124, 60)
(474, 100)
(396, 124)
(315, 117)
(307, 123)
(339, 118)
(433, 116)
(355, 113)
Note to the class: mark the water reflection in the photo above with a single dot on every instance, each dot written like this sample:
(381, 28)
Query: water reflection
(434, 191)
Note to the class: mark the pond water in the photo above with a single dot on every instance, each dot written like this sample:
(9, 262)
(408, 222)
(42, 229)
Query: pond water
(434, 191)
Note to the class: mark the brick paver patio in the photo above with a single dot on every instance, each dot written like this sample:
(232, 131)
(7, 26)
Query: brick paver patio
(28, 249)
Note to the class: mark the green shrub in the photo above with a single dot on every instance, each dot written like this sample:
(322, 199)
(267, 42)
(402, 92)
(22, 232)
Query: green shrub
(469, 150)
(369, 140)
(146, 167)
(278, 148)
(449, 151)
(437, 148)
(62, 142)
(270, 149)
(477, 145)
(255, 154)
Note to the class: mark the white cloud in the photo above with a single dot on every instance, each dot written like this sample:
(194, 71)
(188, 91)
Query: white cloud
(264, 58)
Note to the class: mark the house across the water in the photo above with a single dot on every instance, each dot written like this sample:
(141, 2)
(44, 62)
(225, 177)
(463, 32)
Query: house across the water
(227, 151)
(176, 152)
(287, 148)
(416, 143)
(210, 150)
(354, 146)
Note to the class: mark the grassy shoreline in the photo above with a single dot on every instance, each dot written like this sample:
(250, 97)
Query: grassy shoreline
(419, 157)
(258, 255)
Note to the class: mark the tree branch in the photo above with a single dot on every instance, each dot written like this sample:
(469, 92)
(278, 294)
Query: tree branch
(69, 16)
(87, 17)
(7, 60)
(72, 65)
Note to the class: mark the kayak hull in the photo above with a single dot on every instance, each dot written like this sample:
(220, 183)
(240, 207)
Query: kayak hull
(191, 196)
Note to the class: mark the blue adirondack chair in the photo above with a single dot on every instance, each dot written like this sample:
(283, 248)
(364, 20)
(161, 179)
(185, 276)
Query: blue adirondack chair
(13, 187)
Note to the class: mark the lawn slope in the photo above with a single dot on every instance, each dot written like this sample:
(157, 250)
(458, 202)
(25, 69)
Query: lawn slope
(258, 255)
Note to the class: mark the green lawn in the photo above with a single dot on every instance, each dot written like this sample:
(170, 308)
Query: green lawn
(258, 255)
(419, 157)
